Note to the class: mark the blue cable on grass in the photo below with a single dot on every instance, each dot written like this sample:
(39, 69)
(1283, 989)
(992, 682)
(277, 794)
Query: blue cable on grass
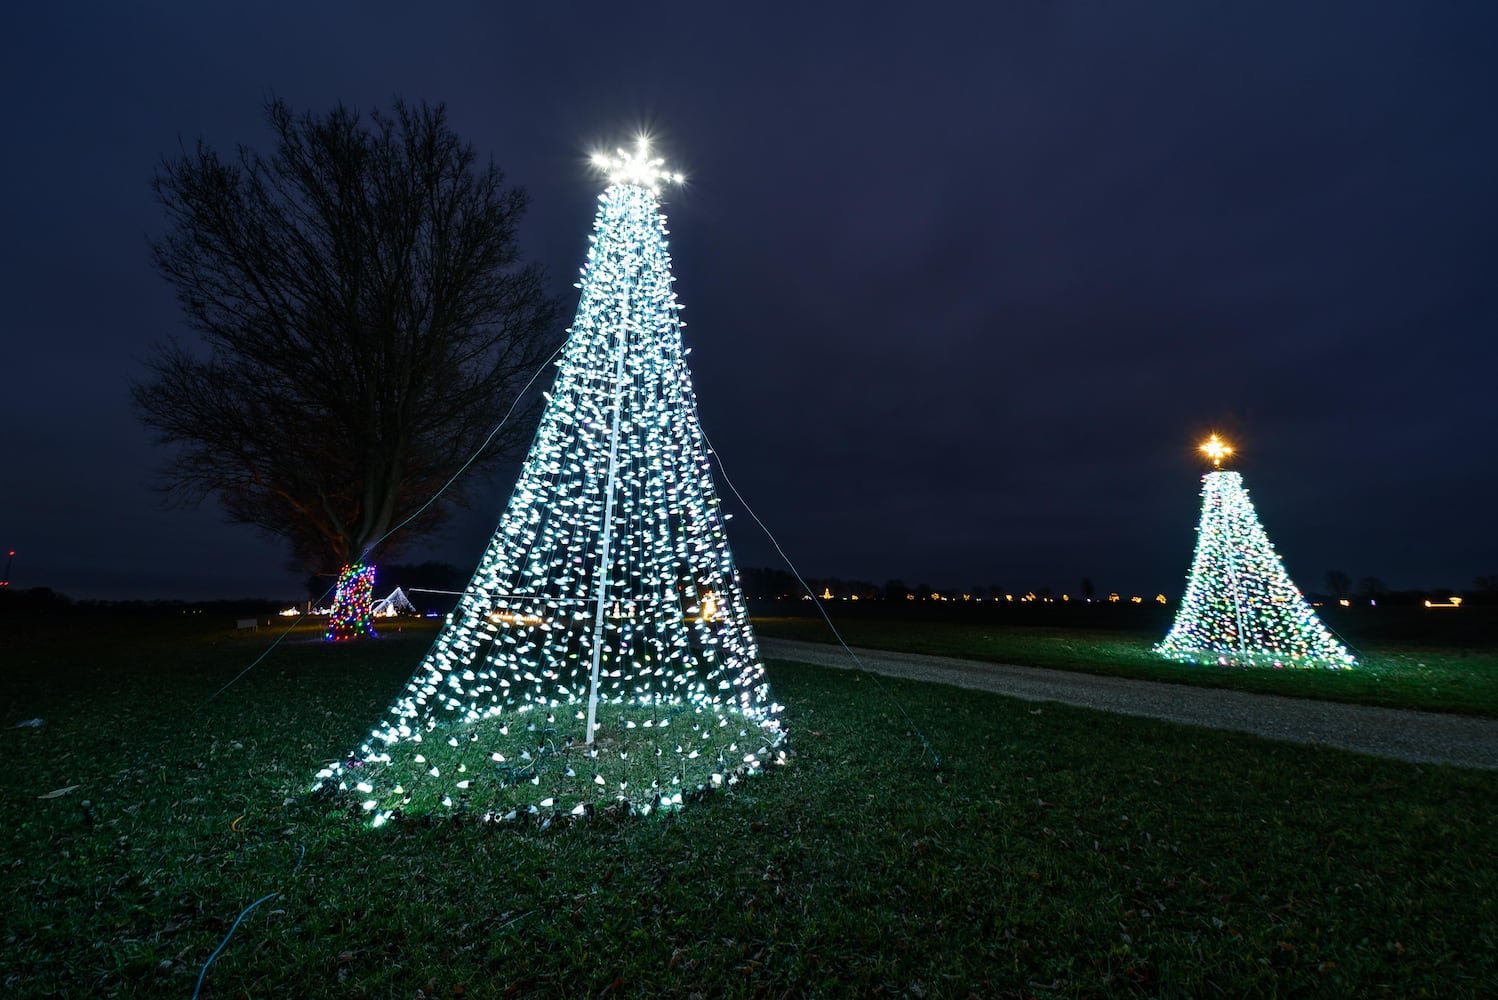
(197, 989)
(935, 757)
(225, 941)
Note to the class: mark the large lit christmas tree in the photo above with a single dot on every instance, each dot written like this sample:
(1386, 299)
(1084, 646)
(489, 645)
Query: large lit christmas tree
(1240, 607)
(602, 656)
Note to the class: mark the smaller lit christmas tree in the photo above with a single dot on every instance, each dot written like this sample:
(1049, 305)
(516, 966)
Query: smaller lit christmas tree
(353, 604)
(1240, 607)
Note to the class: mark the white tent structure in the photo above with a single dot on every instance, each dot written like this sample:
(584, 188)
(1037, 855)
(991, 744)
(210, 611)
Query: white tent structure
(395, 603)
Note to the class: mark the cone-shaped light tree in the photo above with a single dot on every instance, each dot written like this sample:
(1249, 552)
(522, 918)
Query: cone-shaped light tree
(602, 655)
(1240, 608)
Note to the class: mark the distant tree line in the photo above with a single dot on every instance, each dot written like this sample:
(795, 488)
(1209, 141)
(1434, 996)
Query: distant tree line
(1340, 587)
(45, 600)
(759, 584)
(764, 584)
(430, 575)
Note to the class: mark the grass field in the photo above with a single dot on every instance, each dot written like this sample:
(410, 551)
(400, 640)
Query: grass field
(1401, 675)
(1058, 853)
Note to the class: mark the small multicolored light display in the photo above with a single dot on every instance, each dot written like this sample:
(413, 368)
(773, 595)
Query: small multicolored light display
(353, 604)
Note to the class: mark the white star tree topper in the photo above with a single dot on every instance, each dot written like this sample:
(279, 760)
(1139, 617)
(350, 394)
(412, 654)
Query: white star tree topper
(638, 168)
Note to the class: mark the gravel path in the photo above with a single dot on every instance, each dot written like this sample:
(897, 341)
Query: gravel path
(1422, 737)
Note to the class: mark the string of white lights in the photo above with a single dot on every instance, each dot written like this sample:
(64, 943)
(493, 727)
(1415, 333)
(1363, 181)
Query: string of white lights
(1240, 607)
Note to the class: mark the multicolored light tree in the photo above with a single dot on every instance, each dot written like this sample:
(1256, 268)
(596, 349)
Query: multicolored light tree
(353, 604)
(602, 654)
(1240, 608)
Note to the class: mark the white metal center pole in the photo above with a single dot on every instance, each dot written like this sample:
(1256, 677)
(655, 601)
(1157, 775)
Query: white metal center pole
(604, 565)
(1237, 603)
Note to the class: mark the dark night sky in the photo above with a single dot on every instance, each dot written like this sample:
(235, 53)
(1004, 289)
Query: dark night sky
(964, 284)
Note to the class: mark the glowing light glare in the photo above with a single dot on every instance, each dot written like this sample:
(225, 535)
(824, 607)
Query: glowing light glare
(609, 576)
(1216, 449)
(508, 618)
(1240, 608)
(638, 168)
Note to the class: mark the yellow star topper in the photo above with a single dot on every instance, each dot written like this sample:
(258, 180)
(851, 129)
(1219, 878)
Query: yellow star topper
(638, 168)
(1216, 449)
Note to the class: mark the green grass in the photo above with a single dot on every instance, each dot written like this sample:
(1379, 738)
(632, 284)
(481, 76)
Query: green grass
(539, 763)
(1397, 675)
(1058, 853)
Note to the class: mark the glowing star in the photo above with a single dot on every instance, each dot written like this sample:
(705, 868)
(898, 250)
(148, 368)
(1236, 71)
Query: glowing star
(606, 613)
(1240, 608)
(638, 168)
(1216, 449)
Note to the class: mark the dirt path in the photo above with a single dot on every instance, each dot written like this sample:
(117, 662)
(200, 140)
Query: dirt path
(1422, 737)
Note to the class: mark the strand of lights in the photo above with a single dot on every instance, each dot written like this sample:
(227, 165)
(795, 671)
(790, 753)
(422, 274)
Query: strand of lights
(496, 716)
(353, 604)
(1240, 607)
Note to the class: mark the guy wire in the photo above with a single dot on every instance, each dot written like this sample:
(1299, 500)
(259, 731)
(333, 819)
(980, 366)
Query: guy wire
(935, 757)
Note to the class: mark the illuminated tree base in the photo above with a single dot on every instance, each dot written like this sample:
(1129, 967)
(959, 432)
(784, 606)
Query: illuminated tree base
(353, 604)
(1249, 658)
(535, 764)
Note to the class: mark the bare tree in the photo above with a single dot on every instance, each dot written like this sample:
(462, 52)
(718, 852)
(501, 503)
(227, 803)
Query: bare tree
(1339, 583)
(366, 320)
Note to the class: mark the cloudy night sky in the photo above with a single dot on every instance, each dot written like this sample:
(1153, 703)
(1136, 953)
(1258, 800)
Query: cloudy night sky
(965, 284)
